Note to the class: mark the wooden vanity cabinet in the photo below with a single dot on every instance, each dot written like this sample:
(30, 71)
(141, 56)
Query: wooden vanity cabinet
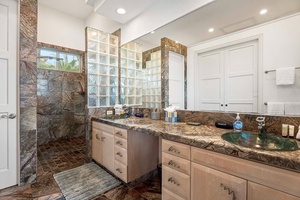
(127, 154)
(175, 170)
(260, 192)
(207, 184)
(258, 181)
(103, 145)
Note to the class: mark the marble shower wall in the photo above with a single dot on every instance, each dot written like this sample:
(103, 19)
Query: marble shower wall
(273, 123)
(28, 90)
(168, 45)
(61, 100)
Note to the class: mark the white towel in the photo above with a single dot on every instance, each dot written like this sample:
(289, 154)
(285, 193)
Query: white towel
(292, 108)
(276, 108)
(285, 76)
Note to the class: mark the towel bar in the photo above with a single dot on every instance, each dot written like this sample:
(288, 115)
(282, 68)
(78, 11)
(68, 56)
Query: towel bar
(267, 71)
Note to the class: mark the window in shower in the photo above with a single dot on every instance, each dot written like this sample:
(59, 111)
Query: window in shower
(54, 59)
(102, 68)
(131, 74)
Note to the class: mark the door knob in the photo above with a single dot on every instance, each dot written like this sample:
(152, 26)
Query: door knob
(10, 116)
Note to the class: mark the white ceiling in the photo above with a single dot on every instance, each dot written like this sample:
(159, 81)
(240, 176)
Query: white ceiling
(76, 8)
(225, 16)
(133, 8)
(107, 8)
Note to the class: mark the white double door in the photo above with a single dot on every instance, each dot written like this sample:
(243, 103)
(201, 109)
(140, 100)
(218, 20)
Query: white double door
(227, 79)
(8, 92)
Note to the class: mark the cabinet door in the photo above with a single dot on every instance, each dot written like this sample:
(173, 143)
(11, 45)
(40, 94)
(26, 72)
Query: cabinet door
(97, 146)
(259, 192)
(108, 150)
(207, 184)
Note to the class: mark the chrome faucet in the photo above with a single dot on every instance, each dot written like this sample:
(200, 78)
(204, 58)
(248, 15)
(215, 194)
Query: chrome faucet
(261, 124)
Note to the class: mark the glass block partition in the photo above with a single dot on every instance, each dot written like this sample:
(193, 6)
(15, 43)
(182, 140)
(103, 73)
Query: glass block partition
(152, 81)
(131, 74)
(102, 68)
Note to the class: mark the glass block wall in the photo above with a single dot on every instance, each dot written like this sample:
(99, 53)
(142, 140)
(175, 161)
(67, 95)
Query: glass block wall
(102, 68)
(152, 81)
(131, 74)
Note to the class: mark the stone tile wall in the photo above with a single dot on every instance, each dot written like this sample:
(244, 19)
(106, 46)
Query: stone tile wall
(61, 100)
(60, 105)
(28, 90)
(273, 123)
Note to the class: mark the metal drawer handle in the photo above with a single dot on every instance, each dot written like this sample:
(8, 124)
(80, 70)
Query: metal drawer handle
(97, 137)
(120, 143)
(172, 163)
(119, 170)
(172, 149)
(119, 133)
(173, 181)
(119, 154)
(10, 116)
(229, 191)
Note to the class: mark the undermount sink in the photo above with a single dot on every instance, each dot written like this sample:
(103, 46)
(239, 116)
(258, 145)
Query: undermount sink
(260, 141)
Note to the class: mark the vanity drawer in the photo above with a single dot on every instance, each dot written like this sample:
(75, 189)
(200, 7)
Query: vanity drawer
(120, 171)
(177, 149)
(177, 183)
(176, 163)
(121, 133)
(167, 195)
(121, 155)
(120, 142)
(103, 127)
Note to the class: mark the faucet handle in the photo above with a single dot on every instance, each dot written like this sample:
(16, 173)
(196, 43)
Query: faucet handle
(260, 119)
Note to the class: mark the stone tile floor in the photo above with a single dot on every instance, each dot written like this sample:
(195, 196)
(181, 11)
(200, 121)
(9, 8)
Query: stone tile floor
(65, 154)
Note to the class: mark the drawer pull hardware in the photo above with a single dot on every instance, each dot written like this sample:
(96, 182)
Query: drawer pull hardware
(172, 163)
(119, 154)
(97, 137)
(103, 138)
(119, 143)
(172, 149)
(173, 181)
(119, 133)
(119, 170)
(229, 191)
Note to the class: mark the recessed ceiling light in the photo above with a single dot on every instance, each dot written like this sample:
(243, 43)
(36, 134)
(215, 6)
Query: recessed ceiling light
(121, 11)
(152, 32)
(263, 11)
(211, 30)
(176, 41)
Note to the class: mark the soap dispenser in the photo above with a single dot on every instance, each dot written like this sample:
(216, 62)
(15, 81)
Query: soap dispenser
(238, 124)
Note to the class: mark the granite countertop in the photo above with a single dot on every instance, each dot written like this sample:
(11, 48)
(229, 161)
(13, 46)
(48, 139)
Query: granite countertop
(206, 137)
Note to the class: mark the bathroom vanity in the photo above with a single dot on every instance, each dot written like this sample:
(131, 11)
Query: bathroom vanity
(198, 164)
(124, 153)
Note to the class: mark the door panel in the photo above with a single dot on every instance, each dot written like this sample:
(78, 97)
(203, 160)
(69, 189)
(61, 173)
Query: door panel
(108, 150)
(210, 81)
(176, 80)
(241, 91)
(207, 184)
(8, 90)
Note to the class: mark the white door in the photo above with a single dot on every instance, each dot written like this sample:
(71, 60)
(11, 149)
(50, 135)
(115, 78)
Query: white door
(241, 77)
(210, 80)
(176, 80)
(8, 90)
(227, 79)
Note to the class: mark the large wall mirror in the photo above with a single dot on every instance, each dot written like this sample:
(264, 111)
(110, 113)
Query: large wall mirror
(230, 48)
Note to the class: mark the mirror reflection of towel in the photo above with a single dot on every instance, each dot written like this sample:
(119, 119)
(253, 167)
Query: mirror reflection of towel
(292, 108)
(285, 76)
(276, 108)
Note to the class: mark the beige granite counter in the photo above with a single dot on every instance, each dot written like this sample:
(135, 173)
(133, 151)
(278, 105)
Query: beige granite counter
(206, 137)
